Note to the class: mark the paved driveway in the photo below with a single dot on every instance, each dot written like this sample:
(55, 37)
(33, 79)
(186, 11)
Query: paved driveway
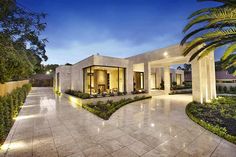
(52, 126)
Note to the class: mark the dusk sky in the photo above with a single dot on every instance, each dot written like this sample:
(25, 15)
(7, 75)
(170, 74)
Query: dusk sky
(77, 29)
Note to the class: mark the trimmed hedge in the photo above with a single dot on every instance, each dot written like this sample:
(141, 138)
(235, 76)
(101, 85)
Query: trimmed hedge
(219, 116)
(78, 94)
(10, 107)
(225, 90)
(105, 109)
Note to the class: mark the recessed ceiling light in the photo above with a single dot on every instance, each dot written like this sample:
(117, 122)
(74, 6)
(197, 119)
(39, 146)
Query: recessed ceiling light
(165, 53)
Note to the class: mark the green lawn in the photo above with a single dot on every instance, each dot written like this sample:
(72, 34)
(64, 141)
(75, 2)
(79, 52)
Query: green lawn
(219, 116)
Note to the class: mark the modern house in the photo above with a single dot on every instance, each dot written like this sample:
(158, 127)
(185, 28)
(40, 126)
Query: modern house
(97, 74)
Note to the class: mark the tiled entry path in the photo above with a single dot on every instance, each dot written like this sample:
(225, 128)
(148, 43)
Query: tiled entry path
(50, 126)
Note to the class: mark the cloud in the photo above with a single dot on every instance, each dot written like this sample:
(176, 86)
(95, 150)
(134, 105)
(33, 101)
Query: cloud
(75, 50)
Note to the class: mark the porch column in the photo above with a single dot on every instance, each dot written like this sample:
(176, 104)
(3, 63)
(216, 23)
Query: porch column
(147, 77)
(129, 78)
(158, 77)
(167, 79)
(203, 79)
(211, 76)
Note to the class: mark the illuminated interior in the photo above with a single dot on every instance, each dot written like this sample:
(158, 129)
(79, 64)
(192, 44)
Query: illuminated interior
(138, 81)
(178, 79)
(153, 81)
(100, 79)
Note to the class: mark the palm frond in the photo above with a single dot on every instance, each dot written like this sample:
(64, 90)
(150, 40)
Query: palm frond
(217, 28)
(207, 51)
(231, 49)
(214, 16)
(216, 44)
(213, 26)
(198, 19)
(219, 33)
(230, 63)
(229, 2)
(211, 36)
(198, 12)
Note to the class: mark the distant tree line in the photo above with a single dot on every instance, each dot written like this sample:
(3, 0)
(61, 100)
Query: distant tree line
(21, 48)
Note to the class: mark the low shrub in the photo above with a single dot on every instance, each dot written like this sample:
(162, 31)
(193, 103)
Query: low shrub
(219, 116)
(78, 94)
(120, 93)
(105, 109)
(9, 108)
(104, 94)
(138, 92)
(225, 90)
(112, 94)
(83, 95)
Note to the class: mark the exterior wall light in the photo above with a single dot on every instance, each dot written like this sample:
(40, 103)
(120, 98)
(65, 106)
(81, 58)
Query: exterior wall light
(48, 72)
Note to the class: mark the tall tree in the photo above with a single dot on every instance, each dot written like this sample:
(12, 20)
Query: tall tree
(21, 48)
(23, 26)
(216, 28)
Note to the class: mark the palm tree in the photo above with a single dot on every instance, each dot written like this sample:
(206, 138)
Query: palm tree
(217, 28)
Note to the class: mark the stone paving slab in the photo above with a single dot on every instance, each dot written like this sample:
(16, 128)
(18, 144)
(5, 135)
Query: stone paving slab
(49, 126)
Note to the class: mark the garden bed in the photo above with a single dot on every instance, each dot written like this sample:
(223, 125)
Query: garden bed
(105, 109)
(219, 116)
(80, 101)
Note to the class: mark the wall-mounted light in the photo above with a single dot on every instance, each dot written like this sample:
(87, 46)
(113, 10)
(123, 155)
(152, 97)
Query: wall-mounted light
(47, 72)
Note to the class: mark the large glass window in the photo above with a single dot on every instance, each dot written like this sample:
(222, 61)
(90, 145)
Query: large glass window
(99, 79)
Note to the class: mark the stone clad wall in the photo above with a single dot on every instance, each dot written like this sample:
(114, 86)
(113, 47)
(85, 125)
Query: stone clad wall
(64, 78)
(8, 87)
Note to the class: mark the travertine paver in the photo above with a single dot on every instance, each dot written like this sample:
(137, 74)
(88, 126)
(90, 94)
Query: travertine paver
(49, 125)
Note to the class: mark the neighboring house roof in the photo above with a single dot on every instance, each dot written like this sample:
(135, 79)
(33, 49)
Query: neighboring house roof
(219, 75)
(224, 75)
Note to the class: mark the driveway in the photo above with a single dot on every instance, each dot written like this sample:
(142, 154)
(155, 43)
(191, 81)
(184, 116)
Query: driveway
(49, 125)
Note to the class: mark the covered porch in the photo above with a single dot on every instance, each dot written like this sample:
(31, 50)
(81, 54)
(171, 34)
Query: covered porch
(155, 66)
